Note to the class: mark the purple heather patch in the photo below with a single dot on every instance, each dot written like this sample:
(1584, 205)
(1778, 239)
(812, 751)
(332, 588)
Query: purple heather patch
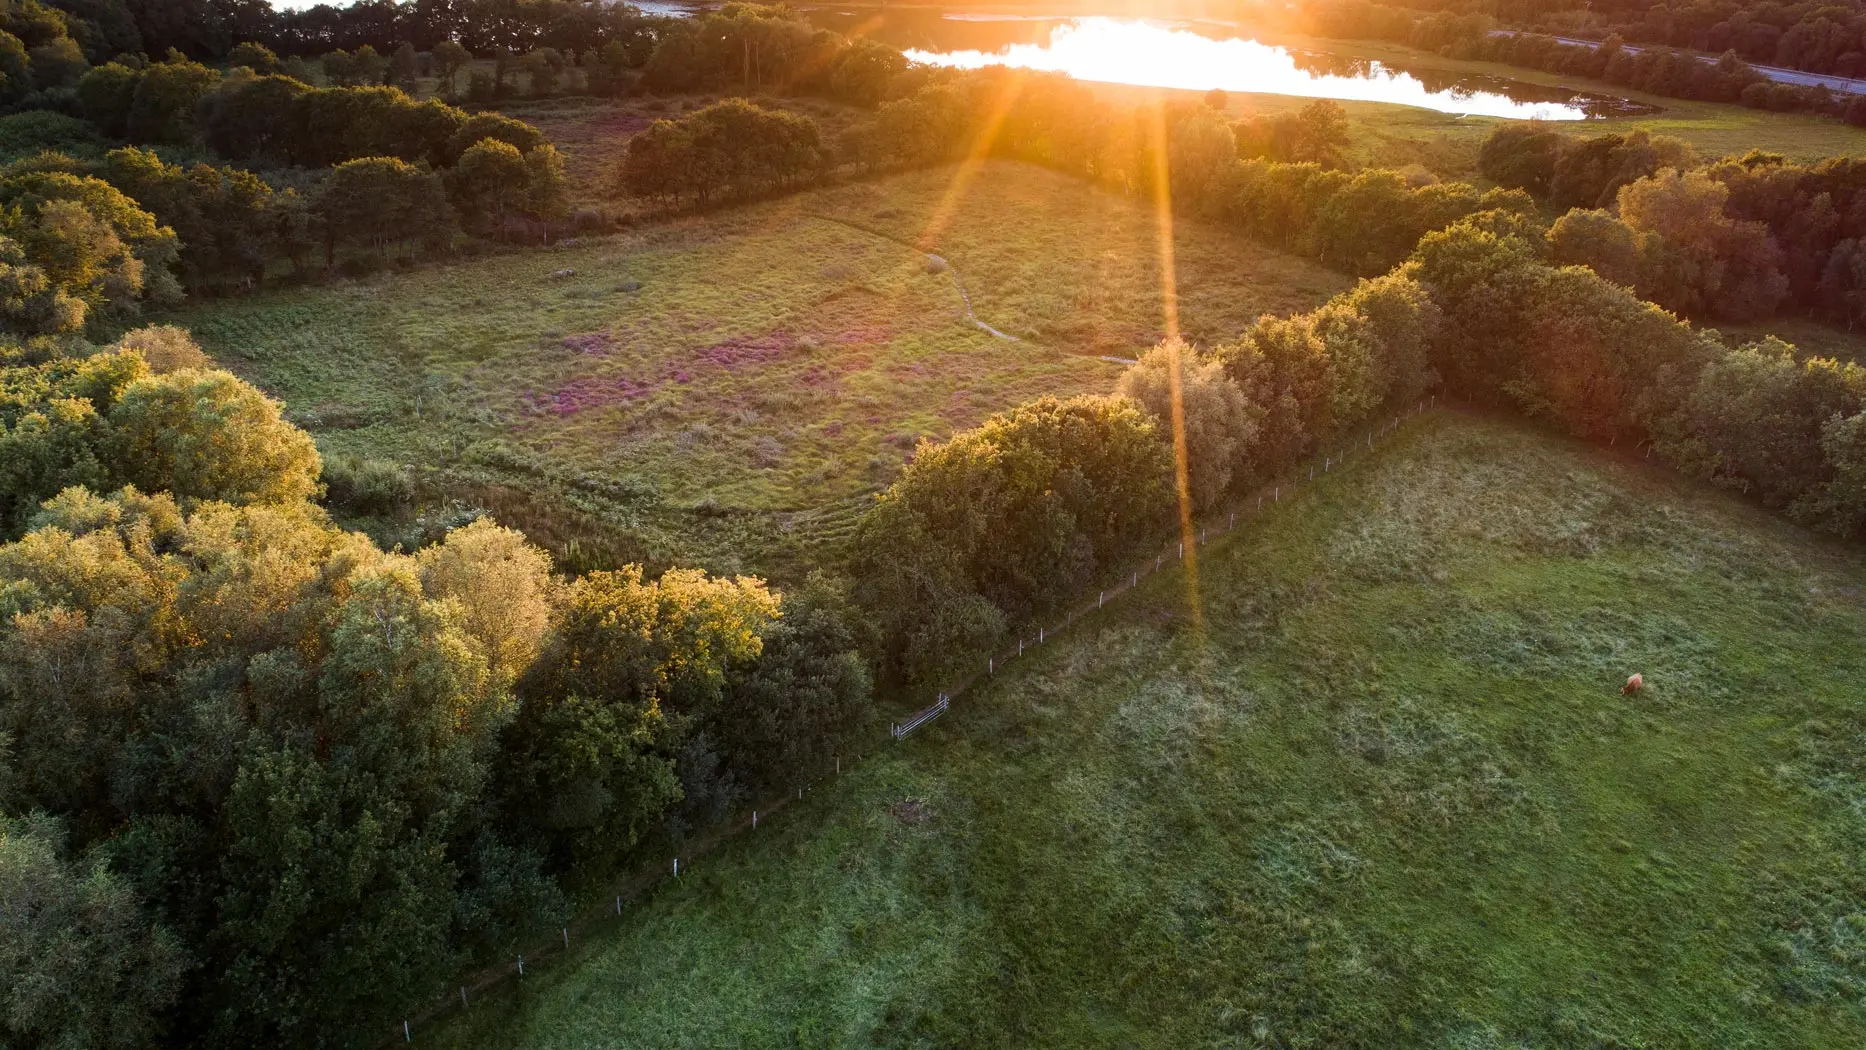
(874, 333)
(590, 392)
(590, 342)
(733, 353)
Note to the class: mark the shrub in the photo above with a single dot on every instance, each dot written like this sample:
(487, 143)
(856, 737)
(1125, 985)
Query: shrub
(366, 486)
(730, 148)
(39, 130)
(165, 347)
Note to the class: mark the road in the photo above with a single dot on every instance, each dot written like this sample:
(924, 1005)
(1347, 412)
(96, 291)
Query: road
(1844, 85)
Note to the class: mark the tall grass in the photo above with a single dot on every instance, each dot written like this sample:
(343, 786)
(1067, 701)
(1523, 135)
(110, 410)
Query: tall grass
(723, 390)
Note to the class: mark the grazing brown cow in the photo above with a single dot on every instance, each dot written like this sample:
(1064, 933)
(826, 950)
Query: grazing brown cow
(1633, 685)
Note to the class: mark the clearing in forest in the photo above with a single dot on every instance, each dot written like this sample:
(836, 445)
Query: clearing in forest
(1388, 795)
(722, 386)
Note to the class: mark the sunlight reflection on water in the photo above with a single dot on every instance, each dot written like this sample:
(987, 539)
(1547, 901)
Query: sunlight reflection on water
(1123, 51)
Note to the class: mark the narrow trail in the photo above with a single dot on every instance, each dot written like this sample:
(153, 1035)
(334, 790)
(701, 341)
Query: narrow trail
(957, 282)
(944, 265)
(1215, 526)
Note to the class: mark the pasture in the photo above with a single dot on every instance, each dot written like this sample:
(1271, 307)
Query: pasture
(727, 389)
(1378, 789)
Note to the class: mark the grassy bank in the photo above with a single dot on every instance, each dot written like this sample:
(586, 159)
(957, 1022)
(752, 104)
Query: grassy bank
(1714, 128)
(1378, 789)
(725, 389)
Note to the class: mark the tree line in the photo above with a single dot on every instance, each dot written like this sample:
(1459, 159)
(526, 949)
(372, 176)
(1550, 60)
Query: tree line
(213, 29)
(1656, 66)
(264, 783)
(348, 172)
(1278, 181)
(1820, 37)
(1740, 239)
(1006, 522)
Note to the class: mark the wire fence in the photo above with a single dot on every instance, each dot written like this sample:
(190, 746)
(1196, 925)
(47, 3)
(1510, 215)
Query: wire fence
(1214, 526)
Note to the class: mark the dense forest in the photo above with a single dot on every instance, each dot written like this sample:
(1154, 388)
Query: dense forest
(263, 781)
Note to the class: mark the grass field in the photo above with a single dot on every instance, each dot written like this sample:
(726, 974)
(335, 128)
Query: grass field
(1383, 791)
(723, 389)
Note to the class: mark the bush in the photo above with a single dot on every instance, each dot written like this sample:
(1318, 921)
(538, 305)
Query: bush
(731, 148)
(165, 347)
(366, 486)
(39, 130)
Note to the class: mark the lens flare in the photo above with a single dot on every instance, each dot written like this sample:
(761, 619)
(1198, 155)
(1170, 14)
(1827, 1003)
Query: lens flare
(1169, 308)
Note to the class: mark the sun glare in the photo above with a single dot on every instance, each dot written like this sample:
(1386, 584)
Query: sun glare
(1120, 51)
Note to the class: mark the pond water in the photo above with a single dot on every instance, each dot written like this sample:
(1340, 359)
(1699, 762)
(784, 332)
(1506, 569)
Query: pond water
(1203, 55)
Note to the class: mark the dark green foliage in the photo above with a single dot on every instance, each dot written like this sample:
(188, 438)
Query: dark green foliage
(81, 965)
(105, 94)
(587, 766)
(493, 182)
(787, 715)
(482, 126)
(1006, 520)
(15, 69)
(366, 486)
(254, 56)
(223, 216)
(57, 64)
(36, 131)
(102, 27)
(1586, 354)
(1522, 156)
(747, 45)
(1756, 419)
(375, 202)
(282, 120)
(162, 104)
(728, 149)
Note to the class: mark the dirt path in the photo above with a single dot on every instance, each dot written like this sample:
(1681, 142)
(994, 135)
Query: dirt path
(937, 264)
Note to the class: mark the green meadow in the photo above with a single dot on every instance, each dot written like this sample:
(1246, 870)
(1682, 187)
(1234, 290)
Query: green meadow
(1377, 786)
(729, 388)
